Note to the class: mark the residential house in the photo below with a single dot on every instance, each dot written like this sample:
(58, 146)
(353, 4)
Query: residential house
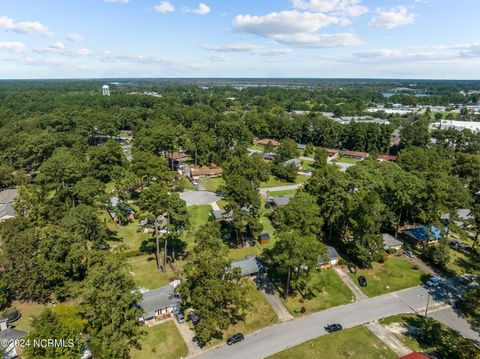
(355, 155)
(296, 161)
(279, 201)
(7, 198)
(386, 158)
(462, 219)
(418, 235)
(249, 266)
(330, 258)
(332, 154)
(159, 303)
(204, 171)
(270, 156)
(301, 147)
(8, 338)
(266, 141)
(178, 159)
(222, 216)
(391, 243)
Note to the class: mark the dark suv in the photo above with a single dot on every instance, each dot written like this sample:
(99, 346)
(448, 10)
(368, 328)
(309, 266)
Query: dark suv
(331, 328)
(235, 338)
(194, 317)
(362, 281)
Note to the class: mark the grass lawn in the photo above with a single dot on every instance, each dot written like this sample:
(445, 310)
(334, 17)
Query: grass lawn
(199, 215)
(260, 314)
(355, 343)
(288, 192)
(460, 264)
(328, 291)
(346, 160)
(240, 253)
(161, 340)
(27, 310)
(213, 184)
(393, 275)
(257, 147)
(308, 165)
(145, 273)
(276, 182)
(221, 203)
(397, 324)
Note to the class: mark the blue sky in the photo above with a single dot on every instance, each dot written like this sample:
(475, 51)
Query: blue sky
(240, 38)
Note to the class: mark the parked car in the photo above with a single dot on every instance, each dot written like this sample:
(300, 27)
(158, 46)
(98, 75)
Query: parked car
(179, 317)
(198, 341)
(352, 269)
(332, 328)
(362, 281)
(434, 281)
(409, 254)
(194, 317)
(235, 338)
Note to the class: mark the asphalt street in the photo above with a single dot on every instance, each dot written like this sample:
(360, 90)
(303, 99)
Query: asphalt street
(271, 340)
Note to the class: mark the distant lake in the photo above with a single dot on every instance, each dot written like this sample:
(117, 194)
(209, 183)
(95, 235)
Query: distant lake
(390, 94)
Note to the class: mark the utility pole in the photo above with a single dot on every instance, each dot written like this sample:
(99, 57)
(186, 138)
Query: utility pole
(428, 302)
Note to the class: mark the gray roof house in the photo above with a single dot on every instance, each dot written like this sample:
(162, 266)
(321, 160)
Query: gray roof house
(330, 258)
(159, 301)
(463, 215)
(390, 242)
(7, 197)
(220, 215)
(7, 338)
(250, 265)
(296, 161)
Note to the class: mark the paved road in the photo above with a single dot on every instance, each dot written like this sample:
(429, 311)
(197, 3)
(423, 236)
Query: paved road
(271, 340)
(359, 295)
(198, 197)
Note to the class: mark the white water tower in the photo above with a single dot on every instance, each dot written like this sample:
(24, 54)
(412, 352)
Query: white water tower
(106, 90)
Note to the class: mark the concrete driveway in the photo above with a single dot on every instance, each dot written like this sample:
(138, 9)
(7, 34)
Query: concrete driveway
(199, 197)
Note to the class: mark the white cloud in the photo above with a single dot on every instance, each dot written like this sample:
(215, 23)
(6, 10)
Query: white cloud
(117, 1)
(164, 7)
(247, 48)
(392, 18)
(351, 8)
(219, 58)
(202, 9)
(57, 45)
(296, 28)
(24, 27)
(75, 38)
(12, 46)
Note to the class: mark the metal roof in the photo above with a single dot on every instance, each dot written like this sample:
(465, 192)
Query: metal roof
(8, 195)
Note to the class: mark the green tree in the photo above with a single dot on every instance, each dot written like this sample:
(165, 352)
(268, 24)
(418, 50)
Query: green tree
(286, 150)
(109, 299)
(211, 287)
(61, 323)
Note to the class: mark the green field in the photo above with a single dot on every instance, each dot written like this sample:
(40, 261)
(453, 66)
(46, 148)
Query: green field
(199, 215)
(213, 184)
(276, 182)
(393, 275)
(328, 291)
(354, 343)
(346, 160)
(146, 274)
(288, 192)
(161, 341)
(27, 310)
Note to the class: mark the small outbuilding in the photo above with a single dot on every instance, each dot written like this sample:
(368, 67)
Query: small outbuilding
(264, 238)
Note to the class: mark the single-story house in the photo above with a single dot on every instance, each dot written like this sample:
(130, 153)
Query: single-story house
(301, 147)
(417, 235)
(332, 154)
(159, 303)
(220, 215)
(265, 141)
(249, 266)
(330, 258)
(279, 201)
(386, 158)
(264, 238)
(204, 171)
(463, 215)
(178, 159)
(7, 198)
(8, 336)
(355, 154)
(390, 242)
(296, 161)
